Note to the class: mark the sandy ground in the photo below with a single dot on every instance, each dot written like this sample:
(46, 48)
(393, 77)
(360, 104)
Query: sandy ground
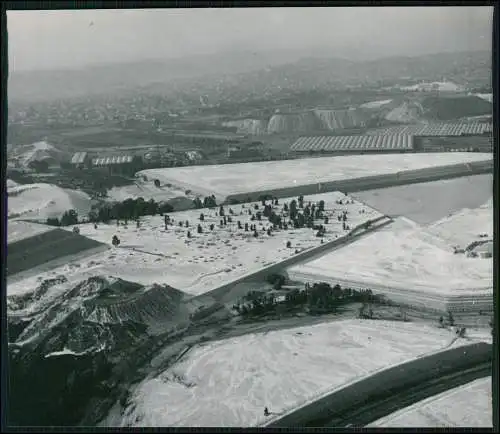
(418, 201)
(410, 257)
(229, 382)
(150, 254)
(143, 189)
(41, 201)
(465, 406)
(223, 180)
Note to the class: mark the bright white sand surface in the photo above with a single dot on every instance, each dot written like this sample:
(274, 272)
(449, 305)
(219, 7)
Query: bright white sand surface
(41, 201)
(465, 406)
(410, 257)
(146, 190)
(464, 227)
(197, 265)
(229, 382)
(226, 179)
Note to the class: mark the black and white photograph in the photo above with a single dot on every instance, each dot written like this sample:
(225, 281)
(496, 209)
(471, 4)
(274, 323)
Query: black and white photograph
(250, 217)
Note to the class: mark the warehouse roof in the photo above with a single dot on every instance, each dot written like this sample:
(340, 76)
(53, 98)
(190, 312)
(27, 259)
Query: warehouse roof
(78, 158)
(353, 143)
(437, 129)
(116, 159)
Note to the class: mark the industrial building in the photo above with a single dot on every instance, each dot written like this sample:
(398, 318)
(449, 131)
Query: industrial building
(434, 137)
(437, 129)
(453, 143)
(80, 160)
(119, 164)
(395, 143)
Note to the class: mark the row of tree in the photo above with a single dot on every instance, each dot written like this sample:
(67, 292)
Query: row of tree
(129, 209)
(319, 298)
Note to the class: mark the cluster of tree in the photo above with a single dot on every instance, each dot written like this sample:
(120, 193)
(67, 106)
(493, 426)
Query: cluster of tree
(69, 218)
(208, 202)
(318, 298)
(277, 280)
(129, 209)
(39, 166)
(309, 214)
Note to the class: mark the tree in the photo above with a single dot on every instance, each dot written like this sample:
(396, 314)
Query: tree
(321, 205)
(441, 321)
(293, 209)
(451, 320)
(199, 229)
(115, 241)
(157, 183)
(189, 234)
(40, 166)
(69, 218)
(462, 332)
(54, 221)
(198, 203)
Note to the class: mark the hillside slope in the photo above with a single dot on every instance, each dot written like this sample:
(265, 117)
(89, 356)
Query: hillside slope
(84, 337)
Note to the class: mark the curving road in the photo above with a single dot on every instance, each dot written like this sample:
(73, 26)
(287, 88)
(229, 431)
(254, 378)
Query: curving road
(374, 410)
(392, 389)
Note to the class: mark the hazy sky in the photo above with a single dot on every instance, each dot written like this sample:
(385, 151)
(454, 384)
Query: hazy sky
(66, 39)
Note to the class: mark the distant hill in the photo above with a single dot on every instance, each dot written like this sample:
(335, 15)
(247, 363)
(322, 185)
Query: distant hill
(253, 73)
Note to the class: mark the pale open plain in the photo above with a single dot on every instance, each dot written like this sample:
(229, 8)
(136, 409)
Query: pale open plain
(227, 179)
(228, 383)
(408, 257)
(150, 254)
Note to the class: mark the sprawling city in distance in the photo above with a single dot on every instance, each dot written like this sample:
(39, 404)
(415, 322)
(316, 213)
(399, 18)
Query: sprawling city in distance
(254, 217)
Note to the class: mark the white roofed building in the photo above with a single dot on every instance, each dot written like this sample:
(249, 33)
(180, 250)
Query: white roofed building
(114, 163)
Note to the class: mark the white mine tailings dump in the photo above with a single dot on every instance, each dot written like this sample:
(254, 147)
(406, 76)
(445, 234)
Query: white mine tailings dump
(41, 201)
(150, 254)
(146, 190)
(468, 406)
(228, 383)
(428, 267)
(224, 180)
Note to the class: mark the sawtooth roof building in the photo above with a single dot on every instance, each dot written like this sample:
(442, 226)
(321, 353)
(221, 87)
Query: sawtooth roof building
(354, 144)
